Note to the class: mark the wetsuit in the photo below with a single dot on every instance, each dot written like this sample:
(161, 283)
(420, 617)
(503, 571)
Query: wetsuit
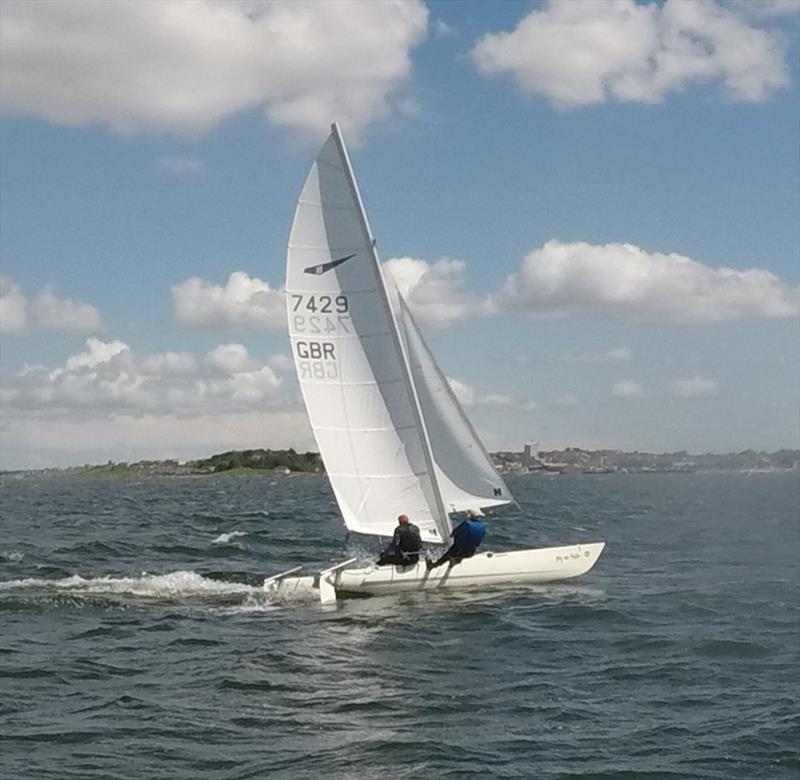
(467, 536)
(404, 548)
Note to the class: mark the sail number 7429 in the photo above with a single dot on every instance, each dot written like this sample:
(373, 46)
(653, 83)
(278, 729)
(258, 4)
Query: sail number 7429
(323, 304)
(320, 314)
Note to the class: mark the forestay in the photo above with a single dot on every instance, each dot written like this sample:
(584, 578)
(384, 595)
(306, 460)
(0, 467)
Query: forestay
(465, 473)
(349, 360)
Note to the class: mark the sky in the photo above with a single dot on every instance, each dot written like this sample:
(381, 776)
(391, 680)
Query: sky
(591, 207)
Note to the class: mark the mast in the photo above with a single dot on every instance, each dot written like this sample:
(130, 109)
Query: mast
(443, 520)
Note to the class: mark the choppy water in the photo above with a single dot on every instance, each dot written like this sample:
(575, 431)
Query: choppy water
(136, 642)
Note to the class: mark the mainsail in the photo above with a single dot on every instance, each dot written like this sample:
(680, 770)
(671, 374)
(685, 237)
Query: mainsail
(350, 362)
(393, 437)
(465, 473)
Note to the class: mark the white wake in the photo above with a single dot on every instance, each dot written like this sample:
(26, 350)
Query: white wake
(186, 587)
(174, 584)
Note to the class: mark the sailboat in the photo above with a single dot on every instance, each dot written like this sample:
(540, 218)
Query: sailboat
(392, 435)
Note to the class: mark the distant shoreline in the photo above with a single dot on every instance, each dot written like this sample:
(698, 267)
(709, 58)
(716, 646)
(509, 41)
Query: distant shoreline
(572, 460)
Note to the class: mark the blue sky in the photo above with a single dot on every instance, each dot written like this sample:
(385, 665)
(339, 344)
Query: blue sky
(592, 208)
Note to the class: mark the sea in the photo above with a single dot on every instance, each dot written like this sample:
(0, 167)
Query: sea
(136, 640)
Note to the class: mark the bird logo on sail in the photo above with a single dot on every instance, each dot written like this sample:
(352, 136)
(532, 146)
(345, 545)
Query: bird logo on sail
(322, 268)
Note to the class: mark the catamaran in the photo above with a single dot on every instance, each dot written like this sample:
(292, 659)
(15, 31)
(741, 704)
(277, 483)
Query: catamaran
(392, 435)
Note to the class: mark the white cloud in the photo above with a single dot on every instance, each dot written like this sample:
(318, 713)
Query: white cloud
(694, 387)
(244, 302)
(281, 363)
(13, 307)
(435, 292)
(184, 67)
(579, 52)
(463, 392)
(97, 352)
(181, 166)
(45, 311)
(627, 388)
(170, 363)
(230, 359)
(109, 378)
(624, 281)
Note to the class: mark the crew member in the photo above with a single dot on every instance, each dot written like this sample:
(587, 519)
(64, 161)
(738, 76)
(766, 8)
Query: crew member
(405, 546)
(467, 536)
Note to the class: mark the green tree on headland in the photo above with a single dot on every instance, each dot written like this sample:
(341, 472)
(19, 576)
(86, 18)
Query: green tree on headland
(262, 460)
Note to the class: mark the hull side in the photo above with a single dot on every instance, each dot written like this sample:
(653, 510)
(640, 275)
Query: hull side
(548, 564)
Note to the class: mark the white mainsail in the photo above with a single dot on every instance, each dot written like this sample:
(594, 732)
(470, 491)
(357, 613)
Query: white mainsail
(350, 362)
(393, 436)
(465, 473)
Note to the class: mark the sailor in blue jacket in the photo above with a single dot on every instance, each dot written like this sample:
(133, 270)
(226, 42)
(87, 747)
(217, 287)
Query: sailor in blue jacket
(467, 536)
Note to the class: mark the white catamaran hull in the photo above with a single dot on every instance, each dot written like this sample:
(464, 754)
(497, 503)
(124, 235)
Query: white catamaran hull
(489, 569)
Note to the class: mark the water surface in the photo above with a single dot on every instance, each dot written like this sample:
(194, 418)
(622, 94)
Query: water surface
(136, 642)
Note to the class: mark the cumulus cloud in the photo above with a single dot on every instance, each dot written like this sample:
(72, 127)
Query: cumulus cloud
(694, 387)
(624, 281)
(184, 67)
(244, 302)
(97, 352)
(435, 292)
(230, 359)
(579, 52)
(45, 311)
(281, 363)
(13, 307)
(110, 378)
(627, 388)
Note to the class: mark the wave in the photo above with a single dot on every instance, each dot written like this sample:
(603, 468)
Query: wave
(225, 538)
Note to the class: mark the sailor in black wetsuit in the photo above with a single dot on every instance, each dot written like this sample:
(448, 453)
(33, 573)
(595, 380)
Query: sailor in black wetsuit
(405, 546)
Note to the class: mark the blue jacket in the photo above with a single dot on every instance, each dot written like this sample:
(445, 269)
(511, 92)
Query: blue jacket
(468, 534)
